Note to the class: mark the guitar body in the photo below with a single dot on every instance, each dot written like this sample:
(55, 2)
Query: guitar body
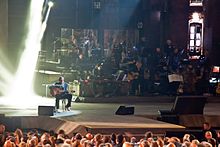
(55, 90)
(133, 76)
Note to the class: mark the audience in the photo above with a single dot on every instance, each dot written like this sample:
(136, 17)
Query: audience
(45, 139)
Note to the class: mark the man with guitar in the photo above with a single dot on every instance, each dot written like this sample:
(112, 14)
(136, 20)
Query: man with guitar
(136, 78)
(60, 91)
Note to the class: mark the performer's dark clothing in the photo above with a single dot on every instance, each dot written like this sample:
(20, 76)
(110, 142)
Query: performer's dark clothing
(137, 81)
(63, 95)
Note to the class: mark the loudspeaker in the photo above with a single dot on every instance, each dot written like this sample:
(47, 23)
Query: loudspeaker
(46, 110)
(186, 105)
(125, 110)
(189, 104)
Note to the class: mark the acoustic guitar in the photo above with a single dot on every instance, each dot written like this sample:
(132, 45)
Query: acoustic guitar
(132, 76)
(55, 90)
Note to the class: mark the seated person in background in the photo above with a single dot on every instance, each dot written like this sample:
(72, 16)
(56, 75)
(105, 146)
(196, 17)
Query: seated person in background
(60, 91)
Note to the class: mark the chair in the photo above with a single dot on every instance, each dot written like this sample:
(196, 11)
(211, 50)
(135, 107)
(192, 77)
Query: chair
(63, 104)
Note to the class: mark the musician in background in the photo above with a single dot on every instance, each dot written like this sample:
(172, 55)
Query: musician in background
(60, 91)
(137, 79)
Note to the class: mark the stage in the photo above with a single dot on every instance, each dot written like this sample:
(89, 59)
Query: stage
(90, 116)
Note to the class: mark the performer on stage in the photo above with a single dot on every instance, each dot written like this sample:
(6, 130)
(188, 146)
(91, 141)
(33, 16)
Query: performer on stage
(60, 91)
(137, 79)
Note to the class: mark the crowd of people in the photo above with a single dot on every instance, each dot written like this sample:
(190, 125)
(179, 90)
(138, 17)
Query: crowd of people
(36, 138)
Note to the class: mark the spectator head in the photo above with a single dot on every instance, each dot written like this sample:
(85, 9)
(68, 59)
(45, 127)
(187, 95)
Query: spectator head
(19, 133)
(206, 144)
(22, 144)
(120, 138)
(47, 145)
(2, 128)
(148, 134)
(88, 143)
(186, 144)
(108, 144)
(8, 143)
(208, 135)
(45, 139)
(67, 141)
(66, 145)
(171, 145)
(144, 143)
(78, 136)
(160, 142)
(82, 141)
(127, 144)
(200, 145)
(24, 138)
(105, 145)
(194, 143)
(113, 138)
(212, 141)
(32, 143)
(206, 126)
(89, 136)
(154, 144)
(174, 139)
(186, 137)
(218, 134)
(106, 139)
(97, 139)
(133, 140)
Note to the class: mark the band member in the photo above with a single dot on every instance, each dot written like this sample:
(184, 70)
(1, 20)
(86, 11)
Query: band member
(60, 91)
(137, 80)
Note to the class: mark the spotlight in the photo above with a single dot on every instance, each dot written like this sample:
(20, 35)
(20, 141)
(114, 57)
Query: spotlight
(196, 16)
(50, 4)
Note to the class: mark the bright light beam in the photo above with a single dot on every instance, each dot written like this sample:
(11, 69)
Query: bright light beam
(44, 24)
(5, 75)
(22, 86)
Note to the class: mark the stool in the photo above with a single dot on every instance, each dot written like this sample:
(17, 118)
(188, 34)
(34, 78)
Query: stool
(63, 104)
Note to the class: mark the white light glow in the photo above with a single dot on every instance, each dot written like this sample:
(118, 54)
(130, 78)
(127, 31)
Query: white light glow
(5, 74)
(18, 89)
(50, 4)
(23, 80)
(18, 103)
(195, 16)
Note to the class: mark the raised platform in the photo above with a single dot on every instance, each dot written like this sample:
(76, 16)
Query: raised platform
(97, 115)
(135, 125)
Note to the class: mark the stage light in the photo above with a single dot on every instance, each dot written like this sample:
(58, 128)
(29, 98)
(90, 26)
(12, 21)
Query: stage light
(50, 4)
(196, 16)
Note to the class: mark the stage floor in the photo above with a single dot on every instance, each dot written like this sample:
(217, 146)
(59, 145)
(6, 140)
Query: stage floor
(101, 116)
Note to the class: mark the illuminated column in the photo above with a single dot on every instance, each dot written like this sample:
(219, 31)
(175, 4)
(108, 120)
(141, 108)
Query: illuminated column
(3, 24)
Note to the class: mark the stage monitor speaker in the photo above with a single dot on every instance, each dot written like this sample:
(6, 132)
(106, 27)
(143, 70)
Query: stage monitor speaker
(125, 110)
(189, 104)
(186, 105)
(46, 110)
